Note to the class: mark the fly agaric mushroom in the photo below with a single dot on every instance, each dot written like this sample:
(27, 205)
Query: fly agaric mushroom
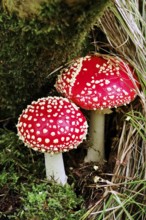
(52, 125)
(98, 83)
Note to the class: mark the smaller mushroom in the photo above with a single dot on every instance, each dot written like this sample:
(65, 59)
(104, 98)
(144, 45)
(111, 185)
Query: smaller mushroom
(52, 125)
(98, 83)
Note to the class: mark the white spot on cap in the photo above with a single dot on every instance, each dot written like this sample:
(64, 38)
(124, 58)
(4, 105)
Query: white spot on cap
(107, 81)
(95, 99)
(109, 89)
(43, 119)
(47, 140)
(62, 129)
(97, 65)
(97, 81)
(82, 92)
(73, 123)
(39, 139)
(20, 124)
(55, 141)
(125, 93)
(88, 84)
(45, 130)
(51, 146)
(89, 92)
(52, 133)
(38, 124)
(24, 125)
(101, 84)
(49, 110)
(55, 115)
(111, 96)
(22, 129)
(30, 117)
(41, 103)
(77, 130)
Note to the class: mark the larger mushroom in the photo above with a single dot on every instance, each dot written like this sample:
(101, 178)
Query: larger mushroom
(98, 83)
(52, 125)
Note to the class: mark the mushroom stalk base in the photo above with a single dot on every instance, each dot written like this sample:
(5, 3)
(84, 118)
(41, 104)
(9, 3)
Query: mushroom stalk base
(96, 152)
(55, 168)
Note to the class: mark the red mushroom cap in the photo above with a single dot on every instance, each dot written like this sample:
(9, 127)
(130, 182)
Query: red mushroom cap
(96, 82)
(52, 124)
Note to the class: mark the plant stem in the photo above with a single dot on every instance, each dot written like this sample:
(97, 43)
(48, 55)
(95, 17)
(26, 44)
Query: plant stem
(55, 168)
(96, 133)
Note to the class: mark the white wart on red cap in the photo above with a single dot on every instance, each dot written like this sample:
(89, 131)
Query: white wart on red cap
(93, 82)
(52, 124)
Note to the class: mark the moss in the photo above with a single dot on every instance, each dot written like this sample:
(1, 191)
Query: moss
(33, 46)
(25, 194)
(23, 8)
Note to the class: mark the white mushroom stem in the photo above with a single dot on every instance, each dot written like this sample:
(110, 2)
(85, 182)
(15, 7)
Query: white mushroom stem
(96, 152)
(55, 168)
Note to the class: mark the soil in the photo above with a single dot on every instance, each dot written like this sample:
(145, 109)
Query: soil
(9, 201)
(90, 179)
